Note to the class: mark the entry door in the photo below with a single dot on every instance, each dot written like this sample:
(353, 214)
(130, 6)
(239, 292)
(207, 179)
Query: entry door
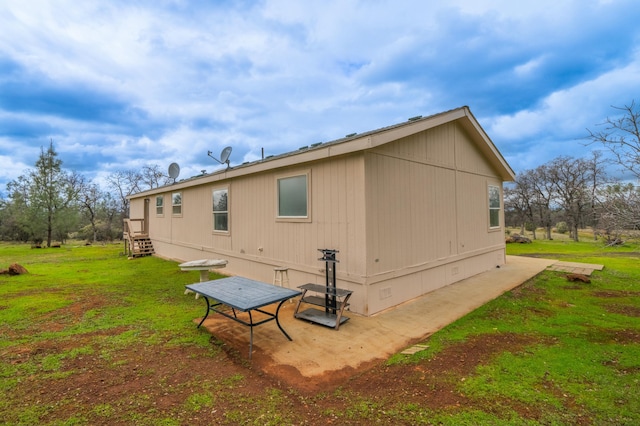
(145, 226)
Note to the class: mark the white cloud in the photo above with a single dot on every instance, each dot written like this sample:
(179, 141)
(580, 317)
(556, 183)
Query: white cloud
(529, 68)
(10, 169)
(568, 112)
(176, 79)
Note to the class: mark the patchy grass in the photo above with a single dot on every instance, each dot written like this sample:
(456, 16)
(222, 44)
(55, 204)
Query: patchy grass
(89, 337)
(582, 365)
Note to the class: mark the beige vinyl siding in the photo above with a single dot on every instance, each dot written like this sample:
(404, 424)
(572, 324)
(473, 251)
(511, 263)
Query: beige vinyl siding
(446, 229)
(411, 200)
(136, 208)
(160, 226)
(411, 213)
(337, 209)
(434, 146)
(473, 212)
(421, 210)
(406, 207)
(469, 158)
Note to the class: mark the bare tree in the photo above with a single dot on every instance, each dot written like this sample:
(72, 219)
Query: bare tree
(89, 198)
(128, 182)
(152, 177)
(519, 199)
(516, 205)
(109, 212)
(125, 183)
(619, 212)
(533, 197)
(569, 178)
(597, 179)
(575, 181)
(621, 136)
(544, 194)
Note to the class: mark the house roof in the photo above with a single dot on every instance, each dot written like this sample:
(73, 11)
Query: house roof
(353, 143)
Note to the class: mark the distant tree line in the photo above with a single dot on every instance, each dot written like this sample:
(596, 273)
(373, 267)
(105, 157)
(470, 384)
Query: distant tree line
(576, 193)
(49, 203)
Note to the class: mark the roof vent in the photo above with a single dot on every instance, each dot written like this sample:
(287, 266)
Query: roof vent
(350, 135)
(417, 117)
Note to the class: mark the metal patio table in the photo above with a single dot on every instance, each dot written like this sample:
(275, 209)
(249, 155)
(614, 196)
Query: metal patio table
(245, 295)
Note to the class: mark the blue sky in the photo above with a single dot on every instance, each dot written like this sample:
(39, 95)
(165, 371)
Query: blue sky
(120, 84)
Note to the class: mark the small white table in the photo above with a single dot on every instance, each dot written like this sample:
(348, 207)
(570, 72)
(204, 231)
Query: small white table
(204, 266)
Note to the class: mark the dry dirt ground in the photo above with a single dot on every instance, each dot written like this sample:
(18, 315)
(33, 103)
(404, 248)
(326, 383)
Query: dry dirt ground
(160, 381)
(155, 380)
(142, 381)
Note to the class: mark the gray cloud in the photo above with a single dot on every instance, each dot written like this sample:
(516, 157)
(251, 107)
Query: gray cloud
(122, 84)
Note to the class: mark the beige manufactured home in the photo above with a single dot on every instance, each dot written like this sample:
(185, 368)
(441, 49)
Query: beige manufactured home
(410, 208)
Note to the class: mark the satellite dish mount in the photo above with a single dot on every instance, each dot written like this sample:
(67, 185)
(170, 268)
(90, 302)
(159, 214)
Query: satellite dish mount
(224, 156)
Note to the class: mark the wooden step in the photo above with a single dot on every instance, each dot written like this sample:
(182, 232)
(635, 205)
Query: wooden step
(141, 246)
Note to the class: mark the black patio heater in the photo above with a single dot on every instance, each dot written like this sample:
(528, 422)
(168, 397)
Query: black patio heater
(334, 300)
(329, 257)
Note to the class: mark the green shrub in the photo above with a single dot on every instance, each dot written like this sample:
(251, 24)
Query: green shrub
(562, 227)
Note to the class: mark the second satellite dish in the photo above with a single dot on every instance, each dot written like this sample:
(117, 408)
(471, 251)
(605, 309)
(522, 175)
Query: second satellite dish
(174, 171)
(224, 156)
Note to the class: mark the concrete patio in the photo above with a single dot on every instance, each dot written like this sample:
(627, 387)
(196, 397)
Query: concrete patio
(317, 350)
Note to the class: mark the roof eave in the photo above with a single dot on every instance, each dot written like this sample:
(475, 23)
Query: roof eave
(351, 144)
(489, 149)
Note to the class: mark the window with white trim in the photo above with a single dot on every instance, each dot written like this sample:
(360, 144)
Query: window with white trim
(221, 210)
(494, 206)
(293, 196)
(159, 205)
(176, 203)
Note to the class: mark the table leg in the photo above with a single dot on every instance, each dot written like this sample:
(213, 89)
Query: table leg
(208, 309)
(250, 334)
(278, 321)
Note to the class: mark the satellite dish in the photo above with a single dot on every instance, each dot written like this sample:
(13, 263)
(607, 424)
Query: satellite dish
(174, 171)
(224, 156)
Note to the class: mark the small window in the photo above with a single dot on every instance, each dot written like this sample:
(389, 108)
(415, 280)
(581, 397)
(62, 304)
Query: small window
(494, 206)
(293, 200)
(176, 203)
(159, 205)
(221, 210)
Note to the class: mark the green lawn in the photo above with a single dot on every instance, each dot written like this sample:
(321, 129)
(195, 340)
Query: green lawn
(89, 337)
